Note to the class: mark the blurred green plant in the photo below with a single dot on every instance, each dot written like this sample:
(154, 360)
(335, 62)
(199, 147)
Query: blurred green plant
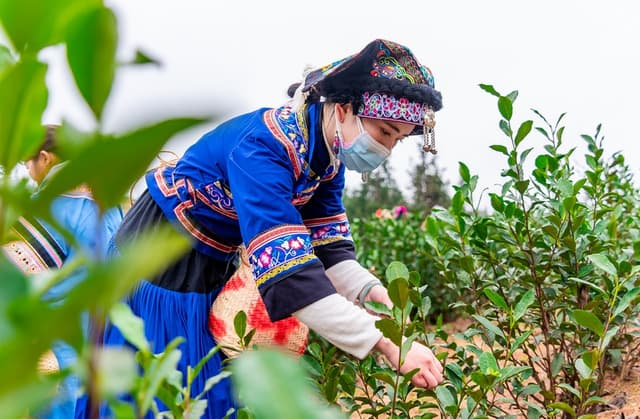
(28, 326)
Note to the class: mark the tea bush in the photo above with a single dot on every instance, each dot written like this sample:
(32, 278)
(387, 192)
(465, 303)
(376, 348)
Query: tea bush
(381, 241)
(551, 279)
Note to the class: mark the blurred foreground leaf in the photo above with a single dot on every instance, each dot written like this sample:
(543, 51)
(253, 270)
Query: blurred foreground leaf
(22, 102)
(110, 165)
(273, 385)
(34, 24)
(91, 51)
(31, 325)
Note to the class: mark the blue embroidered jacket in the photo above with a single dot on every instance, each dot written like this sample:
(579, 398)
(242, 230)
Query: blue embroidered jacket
(264, 179)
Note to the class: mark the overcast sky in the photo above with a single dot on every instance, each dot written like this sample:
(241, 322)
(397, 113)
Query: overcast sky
(225, 58)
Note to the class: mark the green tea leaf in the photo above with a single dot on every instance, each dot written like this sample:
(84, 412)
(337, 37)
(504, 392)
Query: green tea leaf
(158, 372)
(590, 284)
(582, 368)
(464, 172)
(523, 304)
(511, 371)
(390, 330)
(496, 299)
(590, 321)
(564, 407)
(489, 89)
(240, 323)
(488, 364)
(626, 300)
(454, 373)
(490, 326)
(571, 390)
(505, 106)
(601, 261)
(117, 371)
(445, 396)
(500, 149)
(396, 270)
(34, 24)
(523, 131)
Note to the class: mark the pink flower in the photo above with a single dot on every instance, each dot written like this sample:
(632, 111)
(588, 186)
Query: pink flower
(296, 243)
(399, 211)
(265, 257)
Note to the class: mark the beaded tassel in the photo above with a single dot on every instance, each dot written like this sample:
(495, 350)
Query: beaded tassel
(429, 145)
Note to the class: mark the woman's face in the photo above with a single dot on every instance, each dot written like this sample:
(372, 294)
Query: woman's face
(40, 165)
(387, 133)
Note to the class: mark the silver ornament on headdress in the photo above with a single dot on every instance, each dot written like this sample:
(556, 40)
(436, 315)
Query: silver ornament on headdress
(429, 134)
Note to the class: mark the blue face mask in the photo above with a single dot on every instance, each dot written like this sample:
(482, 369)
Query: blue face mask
(364, 154)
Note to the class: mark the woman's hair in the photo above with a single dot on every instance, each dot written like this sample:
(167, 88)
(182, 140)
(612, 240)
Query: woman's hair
(49, 143)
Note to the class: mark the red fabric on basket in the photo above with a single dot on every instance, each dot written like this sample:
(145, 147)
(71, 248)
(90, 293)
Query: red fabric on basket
(241, 293)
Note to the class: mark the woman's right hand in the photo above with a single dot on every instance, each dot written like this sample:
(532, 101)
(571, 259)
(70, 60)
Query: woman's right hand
(419, 356)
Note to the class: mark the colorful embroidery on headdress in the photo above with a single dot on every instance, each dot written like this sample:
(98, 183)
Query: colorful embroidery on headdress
(386, 106)
(396, 62)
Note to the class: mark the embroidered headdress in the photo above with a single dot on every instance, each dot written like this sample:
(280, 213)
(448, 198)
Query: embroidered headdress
(383, 81)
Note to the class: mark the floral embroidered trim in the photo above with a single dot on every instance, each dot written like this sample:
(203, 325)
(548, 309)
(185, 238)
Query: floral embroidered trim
(386, 106)
(289, 129)
(275, 252)
(329, 229)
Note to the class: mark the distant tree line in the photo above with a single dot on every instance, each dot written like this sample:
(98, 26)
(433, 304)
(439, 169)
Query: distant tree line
(428, 189)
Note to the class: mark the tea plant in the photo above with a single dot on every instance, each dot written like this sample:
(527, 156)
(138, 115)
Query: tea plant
(548, 280)
(557, 242)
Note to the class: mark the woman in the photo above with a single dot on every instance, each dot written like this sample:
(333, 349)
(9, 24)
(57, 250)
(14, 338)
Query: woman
(79, 215)
(272, 180)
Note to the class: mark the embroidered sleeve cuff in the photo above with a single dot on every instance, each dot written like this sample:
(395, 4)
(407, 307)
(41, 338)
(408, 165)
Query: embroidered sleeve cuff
(279, 252)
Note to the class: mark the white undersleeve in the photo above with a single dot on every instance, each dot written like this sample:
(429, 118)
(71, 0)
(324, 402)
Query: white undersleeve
(349, 277)
(342, 323)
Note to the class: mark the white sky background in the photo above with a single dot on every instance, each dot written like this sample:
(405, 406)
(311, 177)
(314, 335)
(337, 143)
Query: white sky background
(225, 58)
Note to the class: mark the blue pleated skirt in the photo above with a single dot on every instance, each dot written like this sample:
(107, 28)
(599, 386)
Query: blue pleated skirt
(169, 314)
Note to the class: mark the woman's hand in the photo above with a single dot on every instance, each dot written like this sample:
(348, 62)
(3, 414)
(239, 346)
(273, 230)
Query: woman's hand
(419, 356)
(379, 294)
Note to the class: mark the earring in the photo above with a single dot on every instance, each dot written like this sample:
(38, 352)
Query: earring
(429, 145)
